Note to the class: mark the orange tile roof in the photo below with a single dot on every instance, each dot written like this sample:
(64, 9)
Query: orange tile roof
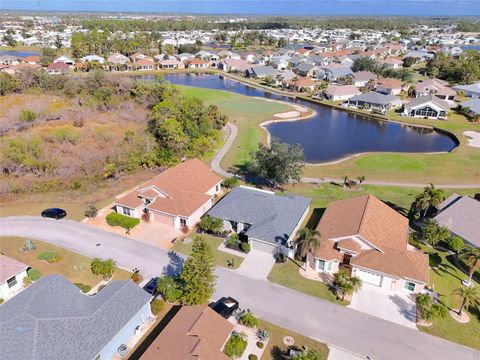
(378, 224)
(195, 333)
(349, 244)
(390, 83)
(197, 61)
(184, 187)
(32, 58)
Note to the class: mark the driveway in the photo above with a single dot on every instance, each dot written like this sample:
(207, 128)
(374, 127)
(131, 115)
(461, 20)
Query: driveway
(256, 265)
(328, 322)
(397, 307)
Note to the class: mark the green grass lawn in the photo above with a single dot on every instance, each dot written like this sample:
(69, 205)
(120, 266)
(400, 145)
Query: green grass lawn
(287, 275)
(444, 280)
(276, 349)
(73, 266)
(221, 258)
(243, 111)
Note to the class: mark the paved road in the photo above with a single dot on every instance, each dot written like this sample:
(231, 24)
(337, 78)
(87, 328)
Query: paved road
(340, 326)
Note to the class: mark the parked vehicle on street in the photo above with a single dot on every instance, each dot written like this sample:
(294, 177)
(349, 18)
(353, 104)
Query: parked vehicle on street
(54, 213)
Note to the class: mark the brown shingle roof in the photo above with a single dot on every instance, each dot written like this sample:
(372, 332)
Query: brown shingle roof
(379, 225)
(195, 333)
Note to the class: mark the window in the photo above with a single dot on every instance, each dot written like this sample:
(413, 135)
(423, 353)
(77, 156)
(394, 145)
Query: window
(217, 187)
(12, 282)
(321, 265)
(126, 211)
(410, 286)
(183, 222)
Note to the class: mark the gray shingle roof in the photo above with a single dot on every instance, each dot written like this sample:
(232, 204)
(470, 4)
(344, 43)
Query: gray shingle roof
(262, 70)
(472, 88)
(375, 98)
(472, 104)
(53, 320)
(426, 99)
(461, 214)
(273, 218)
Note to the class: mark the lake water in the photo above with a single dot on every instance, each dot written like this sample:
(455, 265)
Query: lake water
(331, 134)
(19, 53)
(471, 47)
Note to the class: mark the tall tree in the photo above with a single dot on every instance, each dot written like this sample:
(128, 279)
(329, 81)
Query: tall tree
(472, 257)
(198, 274)
(278, 163)
(469, 295)
(433, 234)
(430, 197)
(309, 240)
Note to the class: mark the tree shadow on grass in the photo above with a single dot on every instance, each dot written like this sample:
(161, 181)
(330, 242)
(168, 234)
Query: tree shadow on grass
(277, 353)
(175, 266)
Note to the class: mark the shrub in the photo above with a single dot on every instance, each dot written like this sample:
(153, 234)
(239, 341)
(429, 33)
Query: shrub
(280, 258)
(235, 346)
(230, 182)
(29, 245)
(91, 211)
(62, 134)
(106, 268)
(260, 344)
(136, 276)
(26, 281)
(262, 335)
(245, 247)
(434, 260)
(252, 357)
(211, 224)
(455, 244)
(34, 274)
(1, 300)
(27, 115)
(84, 287)
(249, 320)
(157, 306)
(49, 256)
(232, 241)
(126, 222)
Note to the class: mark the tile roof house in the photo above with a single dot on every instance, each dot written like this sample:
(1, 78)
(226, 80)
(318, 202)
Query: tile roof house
(177, 197)
(428, 106)
(58, 68)
(53, 320)
(389, 86)
(461, 215)
(435, 87)
(195, 333)
(196, 63)
(300, 84)
(267, 221)
(12, 273)
(341, 92)
(361, 78)
(368, 238)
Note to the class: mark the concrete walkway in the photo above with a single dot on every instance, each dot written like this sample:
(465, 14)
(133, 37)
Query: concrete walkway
(257, 265)
(323, 320)
(339, 354)
(231, 131)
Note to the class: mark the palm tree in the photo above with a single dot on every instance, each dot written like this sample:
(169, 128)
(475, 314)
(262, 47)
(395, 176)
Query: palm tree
(361, 179)
(308, 239)
(430, 197)
(347, 284)
(469, 295)
(433, 234)
(472, 258)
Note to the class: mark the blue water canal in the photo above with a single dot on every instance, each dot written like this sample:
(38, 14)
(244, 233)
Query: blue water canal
(331, 134)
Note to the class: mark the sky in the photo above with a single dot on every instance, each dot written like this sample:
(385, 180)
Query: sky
(259, 7)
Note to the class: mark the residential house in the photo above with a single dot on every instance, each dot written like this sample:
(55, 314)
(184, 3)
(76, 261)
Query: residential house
(473, 106)
(64, 60)
(12, 273)
(118, 62)
(195, 332)
(428, 106)
(471, 90)
(57, 68)
(268, 222)
(171, 64)
(461, 214)
(261, 72)
(369, 239)
(233, 65)
(374, 101)
(435, 87)
(294, 61)
(305, 69)
(335, 71)
(197, 63)
(362, 78)
(93, 58)
(207, 56)
(177, 197)
(68, 324)
(33, 59)
(184, 57)
(341, 92)
(142, 64)
(300, 84)
(393, 62)
(279, 62)
(389, 86)
(420, 55)
(248, 56)
(140, 57)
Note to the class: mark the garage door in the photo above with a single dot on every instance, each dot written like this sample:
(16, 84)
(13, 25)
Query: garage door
(369, 277)
(261, 246)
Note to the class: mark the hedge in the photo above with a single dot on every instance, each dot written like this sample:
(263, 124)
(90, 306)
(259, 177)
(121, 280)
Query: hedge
(84, 287)
(157, 306)
(126, 222)
(235, 346)
(34, 274)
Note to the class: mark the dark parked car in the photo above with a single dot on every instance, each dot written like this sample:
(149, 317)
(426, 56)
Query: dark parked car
(226, 306)
(151, 286)
(54, 213)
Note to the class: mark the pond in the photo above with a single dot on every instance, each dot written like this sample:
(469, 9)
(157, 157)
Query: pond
(19, 53)
(331, 134)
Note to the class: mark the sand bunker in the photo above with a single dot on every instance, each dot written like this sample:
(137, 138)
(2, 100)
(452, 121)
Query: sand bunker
(287, 115)
(474, 140)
